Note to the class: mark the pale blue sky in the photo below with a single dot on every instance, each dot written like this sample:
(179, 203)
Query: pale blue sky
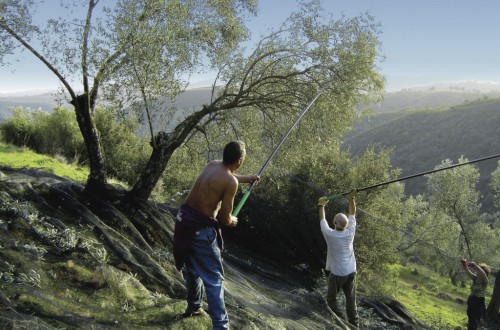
(424, 41)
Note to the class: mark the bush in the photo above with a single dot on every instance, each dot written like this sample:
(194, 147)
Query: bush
(57, 134)
(19, 129)
(125, 153)
(50, 134)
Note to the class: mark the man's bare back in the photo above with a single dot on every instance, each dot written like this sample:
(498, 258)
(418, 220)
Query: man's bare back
(213, 192)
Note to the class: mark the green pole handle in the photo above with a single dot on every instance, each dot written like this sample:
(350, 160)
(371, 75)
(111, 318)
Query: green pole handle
(240, 204)
(334, 197)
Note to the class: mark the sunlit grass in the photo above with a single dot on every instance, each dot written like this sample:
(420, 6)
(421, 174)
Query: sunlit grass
(24, 158)
(428, 296)
(432, 298)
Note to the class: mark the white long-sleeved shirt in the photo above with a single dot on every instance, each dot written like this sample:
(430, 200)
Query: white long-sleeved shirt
(340, 259)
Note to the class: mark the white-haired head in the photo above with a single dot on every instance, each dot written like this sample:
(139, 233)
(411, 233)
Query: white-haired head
(340, 221)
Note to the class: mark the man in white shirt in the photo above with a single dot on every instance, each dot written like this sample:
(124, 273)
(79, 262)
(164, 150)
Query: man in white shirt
(340, 260)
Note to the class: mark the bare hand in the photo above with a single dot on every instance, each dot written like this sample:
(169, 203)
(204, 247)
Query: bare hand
(233, 222)
(353, 193)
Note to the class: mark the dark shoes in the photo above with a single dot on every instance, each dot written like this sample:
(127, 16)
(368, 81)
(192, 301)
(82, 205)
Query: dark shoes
(197, 312)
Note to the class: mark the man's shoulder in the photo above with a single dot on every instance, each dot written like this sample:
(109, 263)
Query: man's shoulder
(213, 163)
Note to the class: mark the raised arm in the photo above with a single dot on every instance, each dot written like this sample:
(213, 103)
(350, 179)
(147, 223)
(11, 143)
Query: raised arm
(481, 275)
(467, 270)
(321, 204)
(352, 202)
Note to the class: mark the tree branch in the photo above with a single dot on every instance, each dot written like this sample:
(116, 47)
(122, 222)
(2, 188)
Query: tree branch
(40, 57)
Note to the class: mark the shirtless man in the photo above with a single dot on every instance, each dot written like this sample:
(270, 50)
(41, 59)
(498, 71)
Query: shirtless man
(197, 237)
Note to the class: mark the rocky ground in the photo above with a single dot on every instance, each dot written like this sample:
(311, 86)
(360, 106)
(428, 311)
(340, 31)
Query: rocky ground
(70, 260)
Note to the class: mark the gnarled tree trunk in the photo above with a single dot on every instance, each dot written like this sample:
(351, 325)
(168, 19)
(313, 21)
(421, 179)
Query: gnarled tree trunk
(97, 176)
(163, 148)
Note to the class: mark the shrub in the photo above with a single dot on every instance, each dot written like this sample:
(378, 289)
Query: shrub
(51, 134)
(125, 153)
(59, 134)
(19, 129)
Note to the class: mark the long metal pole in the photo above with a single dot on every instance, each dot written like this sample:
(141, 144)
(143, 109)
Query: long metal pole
(418, 174)
(247, 193)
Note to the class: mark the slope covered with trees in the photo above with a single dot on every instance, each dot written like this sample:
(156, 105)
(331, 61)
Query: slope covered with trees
(420, 139)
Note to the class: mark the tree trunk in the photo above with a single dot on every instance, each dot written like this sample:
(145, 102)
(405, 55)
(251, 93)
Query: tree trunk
(97, 176)
(163, 148)
(494, 305)
(453, 275)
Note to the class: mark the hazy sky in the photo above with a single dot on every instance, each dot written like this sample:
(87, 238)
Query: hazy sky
(424, 41)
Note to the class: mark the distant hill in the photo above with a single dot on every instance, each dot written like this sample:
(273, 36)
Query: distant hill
(418, 99)
(39, 99)
(408, 120)
(423, 138)
(48, 100)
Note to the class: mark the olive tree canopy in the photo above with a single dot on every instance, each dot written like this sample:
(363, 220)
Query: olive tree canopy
(141, 51)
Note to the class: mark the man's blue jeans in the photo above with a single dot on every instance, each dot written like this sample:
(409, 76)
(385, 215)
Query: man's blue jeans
(204, 268)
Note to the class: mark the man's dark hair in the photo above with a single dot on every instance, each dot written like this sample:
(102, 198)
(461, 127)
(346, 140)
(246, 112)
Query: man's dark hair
(233, 151)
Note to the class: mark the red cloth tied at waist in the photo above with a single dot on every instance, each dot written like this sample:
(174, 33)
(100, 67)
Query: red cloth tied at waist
(187, 222)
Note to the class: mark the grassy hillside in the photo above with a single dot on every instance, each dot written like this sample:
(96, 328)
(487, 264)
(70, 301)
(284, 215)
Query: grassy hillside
(422, 138)
(84, 280)
(23, 158)
(431, 296)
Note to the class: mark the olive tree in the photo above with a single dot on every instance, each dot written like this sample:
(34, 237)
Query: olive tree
(454, 193)
(142, 49)
(90, 46)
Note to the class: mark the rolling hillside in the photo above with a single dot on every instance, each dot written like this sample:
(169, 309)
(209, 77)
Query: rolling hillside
(409, 120)
(422, 138)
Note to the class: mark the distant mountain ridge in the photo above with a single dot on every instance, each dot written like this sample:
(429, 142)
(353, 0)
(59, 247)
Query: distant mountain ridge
(422, 138)
(418, 122)
(432, 95)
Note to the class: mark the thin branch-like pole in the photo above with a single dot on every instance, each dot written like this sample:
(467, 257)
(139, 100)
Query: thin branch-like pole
(85, 41)
(40, 57)
(420, 174)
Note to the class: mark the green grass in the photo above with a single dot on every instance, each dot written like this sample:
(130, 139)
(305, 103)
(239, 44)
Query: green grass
(432, 298)
(428, 296)
(24, 158)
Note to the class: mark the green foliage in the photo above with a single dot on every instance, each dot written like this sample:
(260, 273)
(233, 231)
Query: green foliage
(19, 129)
(125, 152)
(495, 184)
(57, 134)
(52, 134)
(182, 170)
(453, 192)
(431, 297)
